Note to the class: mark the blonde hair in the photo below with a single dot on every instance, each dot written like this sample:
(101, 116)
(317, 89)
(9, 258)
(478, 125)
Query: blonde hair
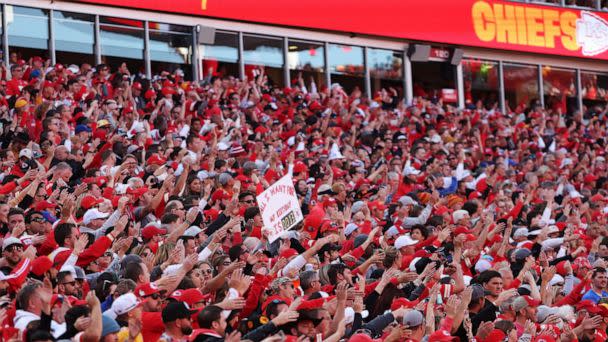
(162, 254)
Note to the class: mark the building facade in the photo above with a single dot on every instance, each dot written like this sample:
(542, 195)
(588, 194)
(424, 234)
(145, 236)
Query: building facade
(503, 52)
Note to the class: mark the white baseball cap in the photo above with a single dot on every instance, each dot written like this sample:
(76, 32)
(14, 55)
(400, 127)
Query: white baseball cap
(26, 152)
(350, 228)
(93, 214)
(459, 215)
(122, 305)
(192, 231)
(404, 241)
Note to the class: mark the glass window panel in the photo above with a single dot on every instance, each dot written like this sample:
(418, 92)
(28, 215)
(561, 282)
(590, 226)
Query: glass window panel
(2, 40)
(430, 78)
(346, 66)
(581, 3)
(74, 37)
(306, 60)
(170, 27)
(481, 83)
(559, 87)
(170, 49)
(386, 70)
(521, 85)
(594, 90)
(28, 32)
(261, 51)
(122, 40)
(221, 58)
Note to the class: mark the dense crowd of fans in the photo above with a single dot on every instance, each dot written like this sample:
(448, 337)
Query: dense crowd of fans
(128, 213)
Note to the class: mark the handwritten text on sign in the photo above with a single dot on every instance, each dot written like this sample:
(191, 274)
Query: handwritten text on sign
(279, 207)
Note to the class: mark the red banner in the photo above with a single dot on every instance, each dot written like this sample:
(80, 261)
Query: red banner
(483, 23)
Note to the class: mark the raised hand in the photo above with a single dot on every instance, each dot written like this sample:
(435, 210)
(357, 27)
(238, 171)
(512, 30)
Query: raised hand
(232, 304)
(239, 281)
(192, 214)
(285, 317)
(81, 244)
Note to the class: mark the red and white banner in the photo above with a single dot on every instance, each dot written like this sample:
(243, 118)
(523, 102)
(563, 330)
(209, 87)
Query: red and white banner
(483, 23)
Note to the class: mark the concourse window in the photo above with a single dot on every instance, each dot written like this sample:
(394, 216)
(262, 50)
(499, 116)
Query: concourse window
(28, 32)
(170, 48)
(481, 83)
(74, 38)
(306, 59)
(581, 3)
(521, 85)
(346, 67)
(264, 52)
(122, 41)
(435, 77)
(222, 58)
(594, 91)
(386, 70)
(559, 87)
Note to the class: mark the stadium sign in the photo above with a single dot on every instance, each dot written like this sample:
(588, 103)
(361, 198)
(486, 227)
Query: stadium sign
(480, 23)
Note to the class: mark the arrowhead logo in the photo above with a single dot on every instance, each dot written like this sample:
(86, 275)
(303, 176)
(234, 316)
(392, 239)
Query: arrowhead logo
(592, 33)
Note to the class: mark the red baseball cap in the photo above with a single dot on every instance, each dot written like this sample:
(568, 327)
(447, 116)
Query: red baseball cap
(138, 191)
(531, 301)
(587, 305)
(441, 335)
(156, 159)
(461, 230)
(544, 338)
(44, 205)
(495, 335)
(150, 93)
(90, 201)
(288, 253)
(151, 231)
(402, 302)
(146, 290)
(189, 296)
(168, 91)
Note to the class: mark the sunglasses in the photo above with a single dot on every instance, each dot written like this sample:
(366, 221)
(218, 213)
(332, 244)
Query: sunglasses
(155, 296)
(14, 248)
(39, 219)
(73, 283)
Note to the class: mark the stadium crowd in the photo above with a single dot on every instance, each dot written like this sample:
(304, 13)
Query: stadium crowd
(128, 213)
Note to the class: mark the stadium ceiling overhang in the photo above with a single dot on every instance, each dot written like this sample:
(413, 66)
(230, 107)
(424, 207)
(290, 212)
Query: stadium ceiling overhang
(480, 23)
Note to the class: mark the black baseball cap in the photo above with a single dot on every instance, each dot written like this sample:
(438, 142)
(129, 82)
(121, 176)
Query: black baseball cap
(176, 310)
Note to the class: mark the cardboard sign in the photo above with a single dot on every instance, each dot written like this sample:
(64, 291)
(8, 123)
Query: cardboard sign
(279, 207)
